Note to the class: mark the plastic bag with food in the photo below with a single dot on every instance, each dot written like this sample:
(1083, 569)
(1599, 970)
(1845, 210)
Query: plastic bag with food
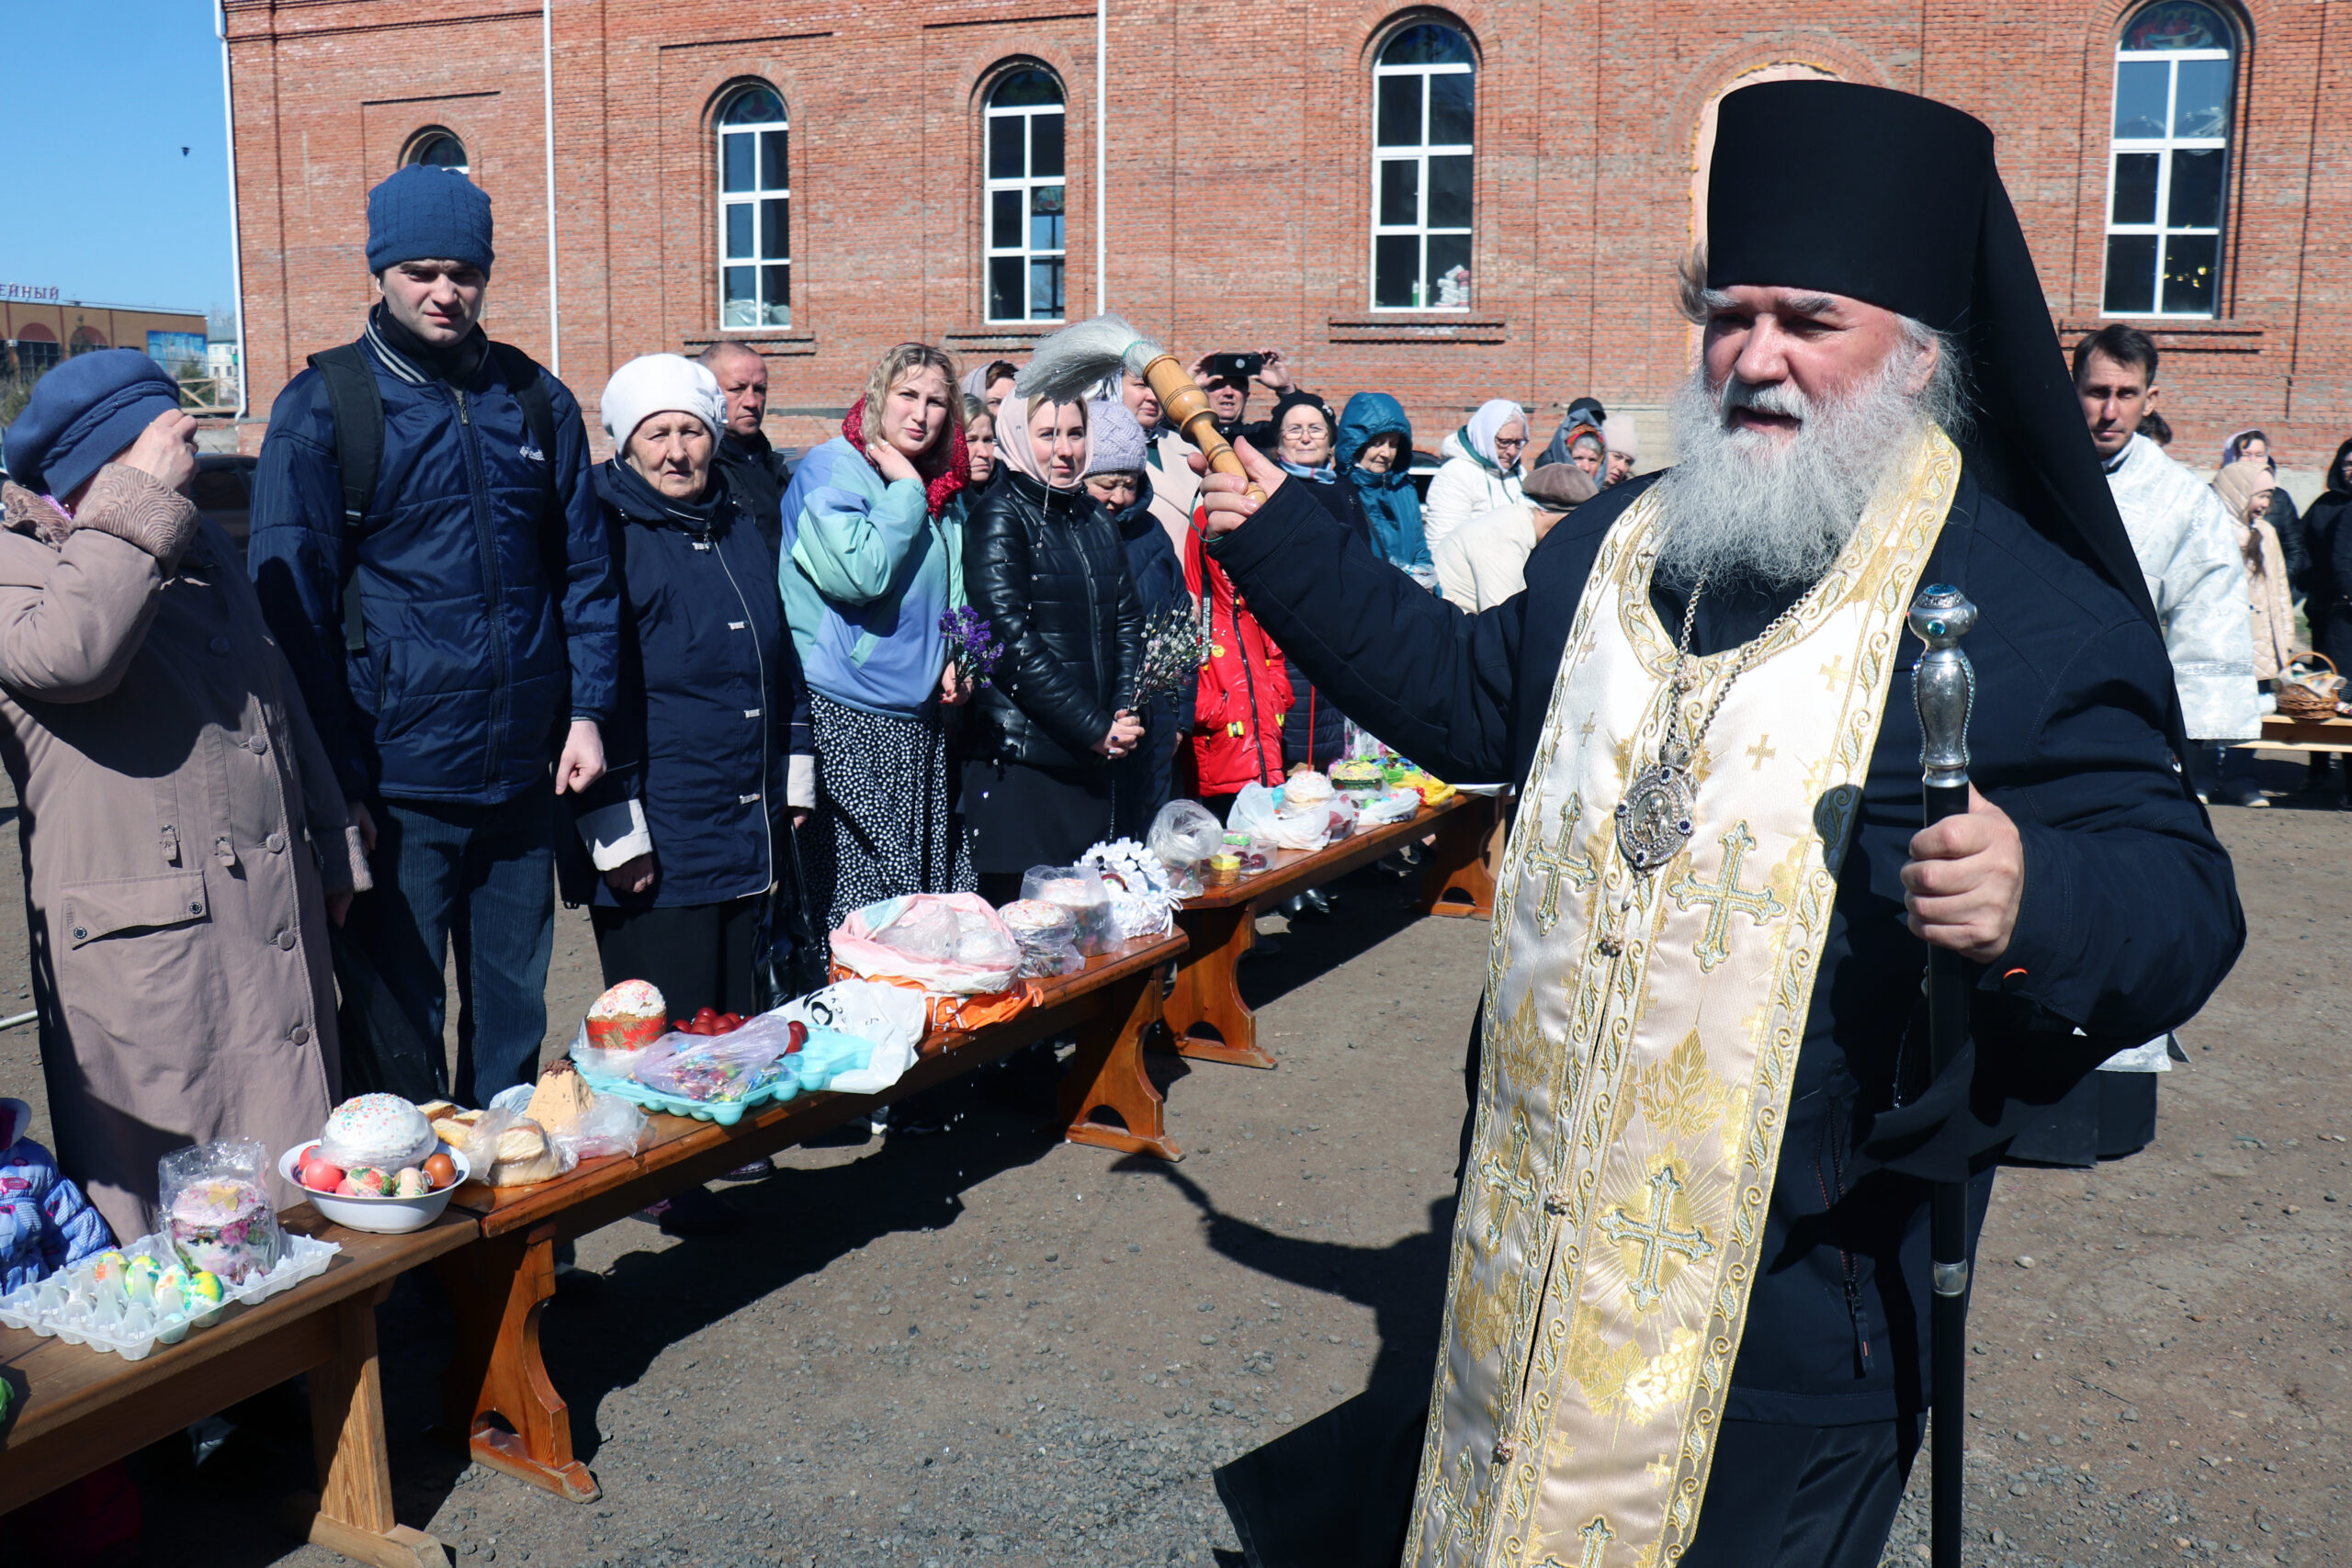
(610, 1125)
(214, 1199)
(921, 930)
(1184, 836)
(1048, 937)
(951, 924)
(868, 1009)
(1079, 890)
(508, 1149)
(715, 1070)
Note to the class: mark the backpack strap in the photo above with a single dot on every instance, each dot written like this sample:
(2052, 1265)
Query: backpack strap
(357, 408)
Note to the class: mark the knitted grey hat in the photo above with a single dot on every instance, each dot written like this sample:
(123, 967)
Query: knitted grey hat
(1114, 440)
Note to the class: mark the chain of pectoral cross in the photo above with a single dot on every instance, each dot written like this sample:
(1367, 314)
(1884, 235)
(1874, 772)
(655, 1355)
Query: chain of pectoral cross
(1684, 681)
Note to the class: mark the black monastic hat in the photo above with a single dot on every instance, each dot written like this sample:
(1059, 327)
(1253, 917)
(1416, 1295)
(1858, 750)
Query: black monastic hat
(1894, 199)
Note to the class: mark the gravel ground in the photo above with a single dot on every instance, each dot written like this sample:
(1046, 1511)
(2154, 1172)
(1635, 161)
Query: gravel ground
(992, 1348)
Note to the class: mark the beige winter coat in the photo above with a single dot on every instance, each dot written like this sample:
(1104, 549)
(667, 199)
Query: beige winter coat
(181, 827)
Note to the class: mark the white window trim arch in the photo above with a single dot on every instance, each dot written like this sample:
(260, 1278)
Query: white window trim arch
(1399, 213)
(1037, 240)
(413, 153)
(753, 276)
(2157, 219)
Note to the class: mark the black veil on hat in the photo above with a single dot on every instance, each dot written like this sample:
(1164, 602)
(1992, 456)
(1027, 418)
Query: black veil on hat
(1894, 199)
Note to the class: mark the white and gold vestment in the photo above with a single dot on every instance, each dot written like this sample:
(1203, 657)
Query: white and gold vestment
(1641, 1036)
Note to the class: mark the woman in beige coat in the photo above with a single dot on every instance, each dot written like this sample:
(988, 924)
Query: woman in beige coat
(184, 838)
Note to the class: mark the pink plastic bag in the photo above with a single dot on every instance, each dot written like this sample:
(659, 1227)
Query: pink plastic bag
(982, 957)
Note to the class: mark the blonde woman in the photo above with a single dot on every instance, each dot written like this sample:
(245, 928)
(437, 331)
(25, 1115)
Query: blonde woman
(873, 556)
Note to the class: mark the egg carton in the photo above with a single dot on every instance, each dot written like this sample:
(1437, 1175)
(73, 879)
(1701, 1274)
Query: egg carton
(70, 1305)
(725, 1112)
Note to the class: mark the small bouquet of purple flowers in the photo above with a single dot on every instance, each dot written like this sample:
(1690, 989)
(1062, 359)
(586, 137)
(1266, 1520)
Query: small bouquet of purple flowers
(972, 643)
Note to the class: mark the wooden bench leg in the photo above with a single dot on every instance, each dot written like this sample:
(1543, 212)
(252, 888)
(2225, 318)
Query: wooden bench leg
(1459, 879)
(352, 1512)
(499, 1287)
(1207, 1016)
(1108, 1073)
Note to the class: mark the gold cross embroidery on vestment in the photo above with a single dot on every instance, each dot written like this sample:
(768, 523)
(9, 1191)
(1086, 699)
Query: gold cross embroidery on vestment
(1596, 1538)
(1558, 863)
(1656, 1236)
(1725, 898)
(1508, 1183)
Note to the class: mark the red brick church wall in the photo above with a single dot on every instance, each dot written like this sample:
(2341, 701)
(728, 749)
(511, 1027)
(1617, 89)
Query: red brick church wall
(1239, 177)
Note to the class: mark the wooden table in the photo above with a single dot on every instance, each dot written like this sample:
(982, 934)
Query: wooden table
(499, 1287)
(1208, 1021)
(2306, 735)
(79, 1409)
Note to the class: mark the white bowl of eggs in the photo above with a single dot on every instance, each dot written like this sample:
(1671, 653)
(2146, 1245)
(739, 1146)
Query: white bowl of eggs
(377, 1167)
(390, 1212)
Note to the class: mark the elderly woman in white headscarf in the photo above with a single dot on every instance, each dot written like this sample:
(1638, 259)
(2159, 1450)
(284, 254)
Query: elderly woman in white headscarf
(713, 762)
(1481, 471)
(2246, 489)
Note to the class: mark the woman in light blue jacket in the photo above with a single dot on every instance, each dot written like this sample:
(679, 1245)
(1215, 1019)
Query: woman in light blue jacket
(873, 557)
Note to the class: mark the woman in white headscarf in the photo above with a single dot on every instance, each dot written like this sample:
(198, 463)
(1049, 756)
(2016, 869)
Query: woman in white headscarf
(1481, 471)
(1045, 565)
(2246, 490)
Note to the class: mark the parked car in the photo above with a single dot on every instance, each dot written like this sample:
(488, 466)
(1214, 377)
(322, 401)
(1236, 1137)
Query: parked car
(1423, 468)
(224, 491)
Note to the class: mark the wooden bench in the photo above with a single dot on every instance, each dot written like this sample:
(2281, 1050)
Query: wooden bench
(2305, 734)
(1207, 1019)
(499, 1287)
(78, 1409)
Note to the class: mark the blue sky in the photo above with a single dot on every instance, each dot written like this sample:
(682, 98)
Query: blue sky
(108, 92)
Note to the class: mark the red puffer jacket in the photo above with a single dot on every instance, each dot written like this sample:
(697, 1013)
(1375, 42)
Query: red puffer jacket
(1245, 687)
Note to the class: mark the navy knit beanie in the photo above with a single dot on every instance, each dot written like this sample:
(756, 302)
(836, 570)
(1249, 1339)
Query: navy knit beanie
(83, 412)
(425, 212)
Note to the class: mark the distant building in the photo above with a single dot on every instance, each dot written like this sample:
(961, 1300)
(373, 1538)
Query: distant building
(39, 334)
(1445, 204)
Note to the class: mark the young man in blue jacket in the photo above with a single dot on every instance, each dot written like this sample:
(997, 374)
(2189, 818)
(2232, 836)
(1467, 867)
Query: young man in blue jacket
(429, 552)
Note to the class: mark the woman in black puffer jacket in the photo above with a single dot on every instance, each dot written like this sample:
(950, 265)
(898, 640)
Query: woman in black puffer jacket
(1046, 569)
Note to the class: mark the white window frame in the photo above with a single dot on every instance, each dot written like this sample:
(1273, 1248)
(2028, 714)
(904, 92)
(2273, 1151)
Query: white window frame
(2164, 147)
(427, 137)
(1419, 154)
(766, 314)
(1027, 182)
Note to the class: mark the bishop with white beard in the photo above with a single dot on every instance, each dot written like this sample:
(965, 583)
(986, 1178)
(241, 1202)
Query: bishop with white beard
(1686, 1312)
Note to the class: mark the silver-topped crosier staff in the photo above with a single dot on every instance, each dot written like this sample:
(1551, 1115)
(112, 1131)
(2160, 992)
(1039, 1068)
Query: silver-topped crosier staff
(1943, 685)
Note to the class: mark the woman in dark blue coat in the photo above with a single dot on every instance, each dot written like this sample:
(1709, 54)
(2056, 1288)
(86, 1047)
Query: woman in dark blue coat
(712, 757)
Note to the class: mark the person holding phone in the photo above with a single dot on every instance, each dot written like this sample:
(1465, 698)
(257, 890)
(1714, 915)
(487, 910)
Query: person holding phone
(1228, 376)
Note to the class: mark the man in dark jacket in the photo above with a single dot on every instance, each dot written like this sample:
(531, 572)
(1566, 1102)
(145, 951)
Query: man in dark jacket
(452, 639)
(756, 473)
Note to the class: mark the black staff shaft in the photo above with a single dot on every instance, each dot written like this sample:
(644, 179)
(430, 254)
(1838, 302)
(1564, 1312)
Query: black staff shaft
(1947, 1240)
(1944, 688)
